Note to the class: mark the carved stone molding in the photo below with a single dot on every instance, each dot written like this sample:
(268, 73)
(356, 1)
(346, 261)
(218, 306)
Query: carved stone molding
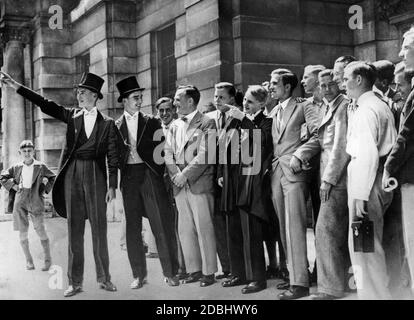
(8, 33)
(385, 9)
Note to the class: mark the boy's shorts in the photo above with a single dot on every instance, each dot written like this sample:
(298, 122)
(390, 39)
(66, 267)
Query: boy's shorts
(22, 210)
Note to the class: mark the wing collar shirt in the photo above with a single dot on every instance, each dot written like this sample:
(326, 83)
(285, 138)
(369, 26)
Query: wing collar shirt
(371, 136)
(89, 118)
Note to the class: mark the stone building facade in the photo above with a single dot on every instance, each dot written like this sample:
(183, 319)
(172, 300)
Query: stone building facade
(171, 42)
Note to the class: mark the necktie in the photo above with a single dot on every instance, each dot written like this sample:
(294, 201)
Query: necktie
(222, 120)
(129, 117)
(279, 117)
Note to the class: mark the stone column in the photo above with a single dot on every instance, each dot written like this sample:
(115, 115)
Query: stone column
(12, 104)
(13, 110)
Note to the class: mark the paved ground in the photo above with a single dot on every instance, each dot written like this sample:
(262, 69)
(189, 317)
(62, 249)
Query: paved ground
(18, 283)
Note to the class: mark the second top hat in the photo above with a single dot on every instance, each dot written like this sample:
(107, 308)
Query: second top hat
(92, 82)
(126, 86)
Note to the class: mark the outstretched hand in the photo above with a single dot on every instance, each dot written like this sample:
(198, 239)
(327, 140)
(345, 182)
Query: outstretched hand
(8, 80)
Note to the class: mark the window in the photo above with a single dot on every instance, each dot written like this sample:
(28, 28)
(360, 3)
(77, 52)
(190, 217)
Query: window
(82, 64)
(167, 63)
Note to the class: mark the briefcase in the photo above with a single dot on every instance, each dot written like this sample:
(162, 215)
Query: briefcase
(363, 235)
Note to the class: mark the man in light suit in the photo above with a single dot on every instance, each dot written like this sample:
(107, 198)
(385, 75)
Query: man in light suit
(294, 125)
(189, 150)
(332, 224)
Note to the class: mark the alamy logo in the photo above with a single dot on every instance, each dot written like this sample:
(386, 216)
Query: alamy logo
(356, 21)
(56, 278)
(56, 20)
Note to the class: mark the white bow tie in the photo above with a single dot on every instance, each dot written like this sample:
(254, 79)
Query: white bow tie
(129, 117)
(92, 112)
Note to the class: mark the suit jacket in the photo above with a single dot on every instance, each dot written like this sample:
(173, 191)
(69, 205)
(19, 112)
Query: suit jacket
(12, 176)
(331, 141)
(301, 122)
(149, 147)
(106, 152)
(198, 152)
(400, 162)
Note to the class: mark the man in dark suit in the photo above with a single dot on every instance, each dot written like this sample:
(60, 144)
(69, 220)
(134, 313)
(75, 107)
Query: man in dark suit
(80, 191)
(400, 162)
(245, 190)
(142, 185)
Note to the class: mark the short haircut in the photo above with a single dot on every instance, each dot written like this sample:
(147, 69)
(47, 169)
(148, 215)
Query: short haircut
(26, 144)
(162, 100)
(231, 90)
(280, 71)
(410, 34)
(258, 92)
(364, 69)
(191, 92)
(345, 59)
(314, 69)
(326, 73)
(289, 78)
(385, 70)
(408, 75)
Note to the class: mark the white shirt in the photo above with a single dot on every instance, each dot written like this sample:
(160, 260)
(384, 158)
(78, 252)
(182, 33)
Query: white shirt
(270, 114)
(182, 128)
(27, 175)
(330, 104)
(371, 135)
(89, 119)
(132, 124)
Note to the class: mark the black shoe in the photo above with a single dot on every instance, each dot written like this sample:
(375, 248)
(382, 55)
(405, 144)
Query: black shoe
(206, 281)
(233, 281)
(283, 286)
(322, 296)
(271, 272)
(193, 277)
(254, 286)
(182, 275)
(72, 290)
(295, 292)
(223, 275)
(108, 286)
(172, 281)
(283, 274)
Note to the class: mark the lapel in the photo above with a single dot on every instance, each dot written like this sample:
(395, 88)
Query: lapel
(18, 173)
(258, 119)
(287, 114)
(36, 171)
(124, 130)
(192, 128)
(98, 127)
(78, 123)
(328, 116)
(142, 124)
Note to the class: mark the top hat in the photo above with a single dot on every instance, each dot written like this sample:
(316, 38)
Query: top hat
(126, 86)
(92, 82)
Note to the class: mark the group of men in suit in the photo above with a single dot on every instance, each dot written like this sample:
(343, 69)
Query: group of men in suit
(230, 173)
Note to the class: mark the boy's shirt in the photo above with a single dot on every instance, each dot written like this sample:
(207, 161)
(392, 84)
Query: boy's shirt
(28, 176)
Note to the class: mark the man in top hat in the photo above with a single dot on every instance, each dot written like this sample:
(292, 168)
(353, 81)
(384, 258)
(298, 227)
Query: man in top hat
(142, 185)
(80, 191)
